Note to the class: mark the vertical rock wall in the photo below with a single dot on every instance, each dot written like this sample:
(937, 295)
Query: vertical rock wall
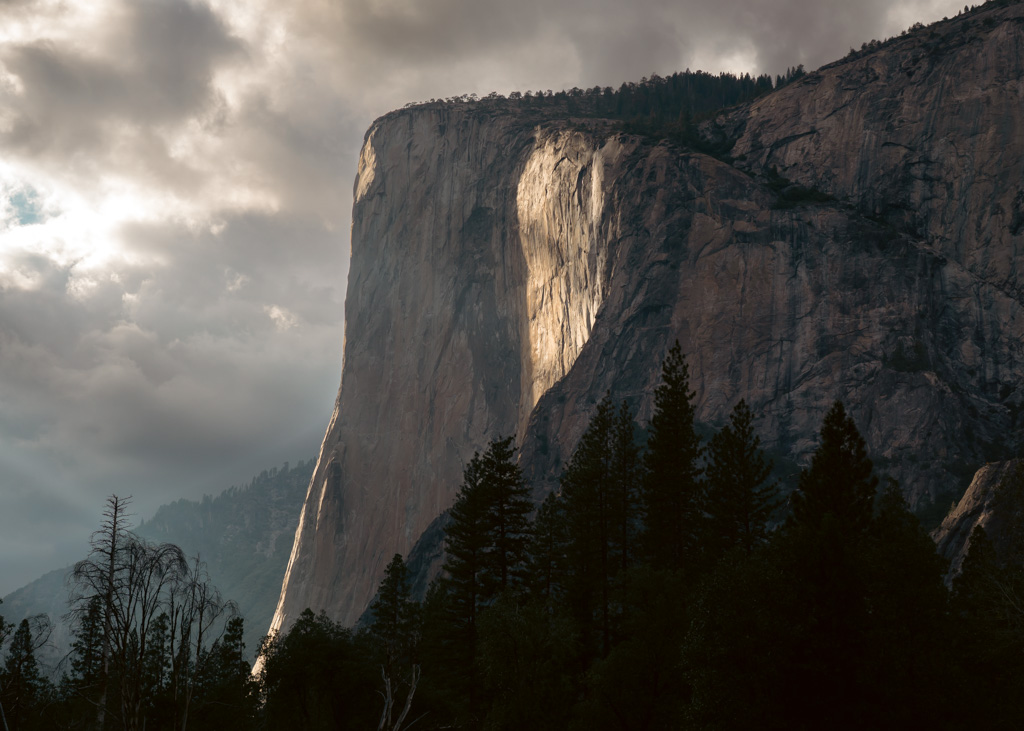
(475, 280)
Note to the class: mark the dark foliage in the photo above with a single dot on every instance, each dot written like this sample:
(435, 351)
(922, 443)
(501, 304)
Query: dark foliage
(672, 498)
(661, 107)
(739, 499)
(839, 488)
(640, 598)
(24, 693)
(318, 676)
(600, 490)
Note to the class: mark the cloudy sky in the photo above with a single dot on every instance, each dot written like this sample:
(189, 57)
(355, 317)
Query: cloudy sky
(175, 192)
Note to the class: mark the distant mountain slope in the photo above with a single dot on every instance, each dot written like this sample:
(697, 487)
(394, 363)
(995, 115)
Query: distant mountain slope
(244, 535)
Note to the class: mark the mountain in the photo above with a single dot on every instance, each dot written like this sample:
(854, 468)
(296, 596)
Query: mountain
(852, 235)
(243, 535)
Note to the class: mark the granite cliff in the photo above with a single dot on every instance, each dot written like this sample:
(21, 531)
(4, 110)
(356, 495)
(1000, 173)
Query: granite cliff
(855, 236)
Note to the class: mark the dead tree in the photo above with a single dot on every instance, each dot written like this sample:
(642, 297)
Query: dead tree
(386, 722)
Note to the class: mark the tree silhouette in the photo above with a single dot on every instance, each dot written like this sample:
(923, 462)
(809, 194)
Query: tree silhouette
(671, 490)
(739, 501)
(840, 482)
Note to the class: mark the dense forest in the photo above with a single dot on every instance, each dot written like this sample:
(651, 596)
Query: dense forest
(665, 585)
(668, 107)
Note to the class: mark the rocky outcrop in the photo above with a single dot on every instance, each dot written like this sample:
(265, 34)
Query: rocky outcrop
(993, 501)
(509, 269)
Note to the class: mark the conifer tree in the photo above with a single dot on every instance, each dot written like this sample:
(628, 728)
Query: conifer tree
(671, 490)
(87, 649)
(466, 543)
(600, 489)
(548, 550)
(485, 543)
(979, 572)
(840, 481)
(626, 477)
(738, 500)
(902, 577)
(101, 575)
(832, 512)
(155, 670)
(227, 696)
(22, 686)
(509, 506)
(394, 616)
(588, 505)
(394, 625)
(487, 537)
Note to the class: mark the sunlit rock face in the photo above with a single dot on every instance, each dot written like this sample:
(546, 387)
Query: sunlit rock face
(982, 505)
(476, 277)
(509, 269)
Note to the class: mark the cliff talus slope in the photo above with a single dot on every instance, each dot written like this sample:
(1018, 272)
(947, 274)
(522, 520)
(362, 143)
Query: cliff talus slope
(510, 268)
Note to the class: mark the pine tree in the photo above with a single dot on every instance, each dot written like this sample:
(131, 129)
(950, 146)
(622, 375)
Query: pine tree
(227, 697)
(989, 642)
(979, 572)
(394, 627)
(840, 481)
(485, 543)
(626, 477)
(394, 617)
(317, 677)
(600, 491)
(87, 649)
(509, 506)
(907, 669)
(101, 575)
(738, 500)
(586, 489)
(155, 666)
(22, 686)
(487, 537)
(548, 563)
(466, 544)
(671, 490)
(825, 539)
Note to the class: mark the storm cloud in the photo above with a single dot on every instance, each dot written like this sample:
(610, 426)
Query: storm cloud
(175, 193)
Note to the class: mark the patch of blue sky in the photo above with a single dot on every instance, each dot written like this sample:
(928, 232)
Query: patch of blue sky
(24, 206)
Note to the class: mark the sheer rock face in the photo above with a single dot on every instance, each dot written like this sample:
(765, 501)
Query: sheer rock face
(508, 270)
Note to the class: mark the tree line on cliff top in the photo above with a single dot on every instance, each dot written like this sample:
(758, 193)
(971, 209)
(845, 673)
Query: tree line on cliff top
(660, 107)
(666, 584)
